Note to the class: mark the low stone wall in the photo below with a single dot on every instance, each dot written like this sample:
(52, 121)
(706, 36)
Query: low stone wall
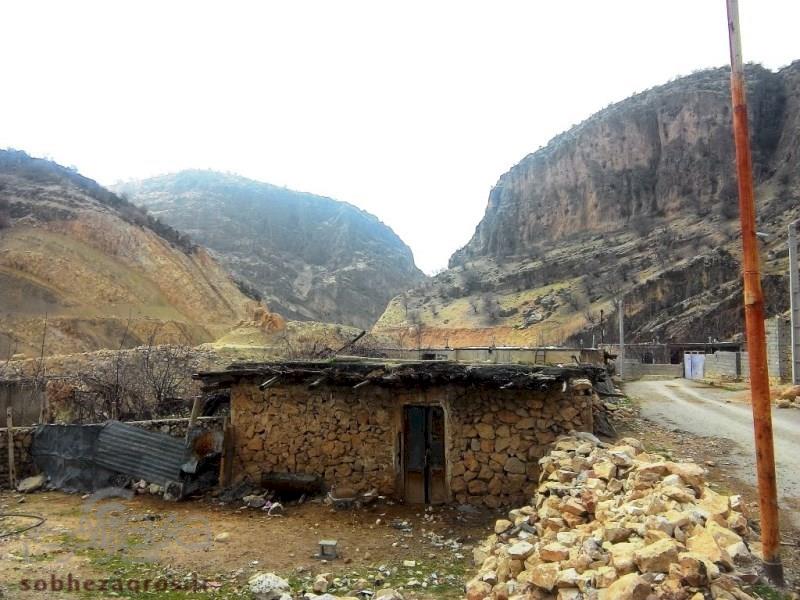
(24, 398)
(635, 370)
(178, 427)
(501, 355)
(352, 438)
(23, 462)
(23, 437)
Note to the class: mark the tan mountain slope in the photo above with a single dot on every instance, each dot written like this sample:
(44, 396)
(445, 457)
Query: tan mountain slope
(639, 200)
(103, 272)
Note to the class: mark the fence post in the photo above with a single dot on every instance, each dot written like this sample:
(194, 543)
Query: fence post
(193, 419)
(12, 471)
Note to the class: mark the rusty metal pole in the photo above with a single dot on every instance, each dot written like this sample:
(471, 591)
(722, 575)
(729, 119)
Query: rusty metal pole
(794, 300)
(754, 311)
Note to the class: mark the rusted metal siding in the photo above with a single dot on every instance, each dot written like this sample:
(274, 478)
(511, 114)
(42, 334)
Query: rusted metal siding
(154, 457)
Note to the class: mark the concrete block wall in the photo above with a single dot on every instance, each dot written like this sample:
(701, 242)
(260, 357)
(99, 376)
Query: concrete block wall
(779, 348)
(723, 365)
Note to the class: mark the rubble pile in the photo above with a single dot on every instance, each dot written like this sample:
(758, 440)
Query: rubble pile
(789, 397)
(612, 522)
(268, 586)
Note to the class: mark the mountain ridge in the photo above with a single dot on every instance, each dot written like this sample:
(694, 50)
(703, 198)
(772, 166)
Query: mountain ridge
(100, 271)
(311, 257)
(635, 201)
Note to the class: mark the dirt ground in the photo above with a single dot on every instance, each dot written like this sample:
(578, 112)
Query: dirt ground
(144, 538)
(136, 546)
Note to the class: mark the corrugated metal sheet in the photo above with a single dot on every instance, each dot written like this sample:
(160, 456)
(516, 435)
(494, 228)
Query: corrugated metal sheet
(154, 457)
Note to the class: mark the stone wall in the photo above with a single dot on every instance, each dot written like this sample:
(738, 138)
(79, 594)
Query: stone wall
(23, 462)
(492, 355)
(351, 438)
(24, 398)
(178, 427)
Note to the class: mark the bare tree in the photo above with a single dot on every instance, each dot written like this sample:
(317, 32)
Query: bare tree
(304, 347)
(112, 388)
(572, 299)
(490, 308)
(415, 320)
(5, 364)
(165, 372)
(403, 301)
(471, 280)
(40, 376)
(612, 286)
(592, 318)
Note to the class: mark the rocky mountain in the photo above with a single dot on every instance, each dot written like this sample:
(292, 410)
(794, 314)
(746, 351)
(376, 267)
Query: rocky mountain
(102, 272)
(639, 200)
(310, 257)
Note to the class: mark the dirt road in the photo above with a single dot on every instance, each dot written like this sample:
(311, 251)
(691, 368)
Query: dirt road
(711, 411)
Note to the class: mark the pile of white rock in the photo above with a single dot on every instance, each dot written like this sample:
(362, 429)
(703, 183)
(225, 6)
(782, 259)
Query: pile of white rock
(613, 522)
(268, 586)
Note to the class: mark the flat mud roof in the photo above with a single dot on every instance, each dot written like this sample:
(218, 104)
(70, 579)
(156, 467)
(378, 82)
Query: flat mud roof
(403, 374)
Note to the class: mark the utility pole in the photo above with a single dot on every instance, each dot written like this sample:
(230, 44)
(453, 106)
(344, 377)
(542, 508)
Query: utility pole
(754, 311)
(621, 359)
(794, 300)
(602, 330)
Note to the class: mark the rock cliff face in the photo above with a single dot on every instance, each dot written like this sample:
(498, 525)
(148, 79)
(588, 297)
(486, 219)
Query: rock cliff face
(105, 274)
(664, 152)
(639, 200)
(310, 257)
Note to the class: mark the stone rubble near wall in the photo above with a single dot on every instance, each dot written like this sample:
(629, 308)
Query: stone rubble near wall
(268, 586)
(612, 522)
(789, 397)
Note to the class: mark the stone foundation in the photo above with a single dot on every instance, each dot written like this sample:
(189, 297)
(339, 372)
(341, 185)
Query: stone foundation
(351, 438)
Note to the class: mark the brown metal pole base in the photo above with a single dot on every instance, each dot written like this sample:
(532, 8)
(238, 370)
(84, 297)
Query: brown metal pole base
(774, 573)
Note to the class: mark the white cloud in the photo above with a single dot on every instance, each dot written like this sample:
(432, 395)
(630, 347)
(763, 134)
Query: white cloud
(410, 110)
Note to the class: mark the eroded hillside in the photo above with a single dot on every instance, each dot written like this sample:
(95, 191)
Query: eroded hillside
(639, 200)
(103, 272)
(310, 257)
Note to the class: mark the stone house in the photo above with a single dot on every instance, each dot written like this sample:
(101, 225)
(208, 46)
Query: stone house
(423, 432)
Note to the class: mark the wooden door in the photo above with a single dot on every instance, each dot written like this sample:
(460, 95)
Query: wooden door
(424, 455)
(437, 467)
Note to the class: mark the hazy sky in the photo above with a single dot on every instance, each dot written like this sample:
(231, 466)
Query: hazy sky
(410, 110)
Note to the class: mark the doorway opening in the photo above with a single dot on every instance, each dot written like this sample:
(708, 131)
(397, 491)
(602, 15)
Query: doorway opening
(424, 455)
